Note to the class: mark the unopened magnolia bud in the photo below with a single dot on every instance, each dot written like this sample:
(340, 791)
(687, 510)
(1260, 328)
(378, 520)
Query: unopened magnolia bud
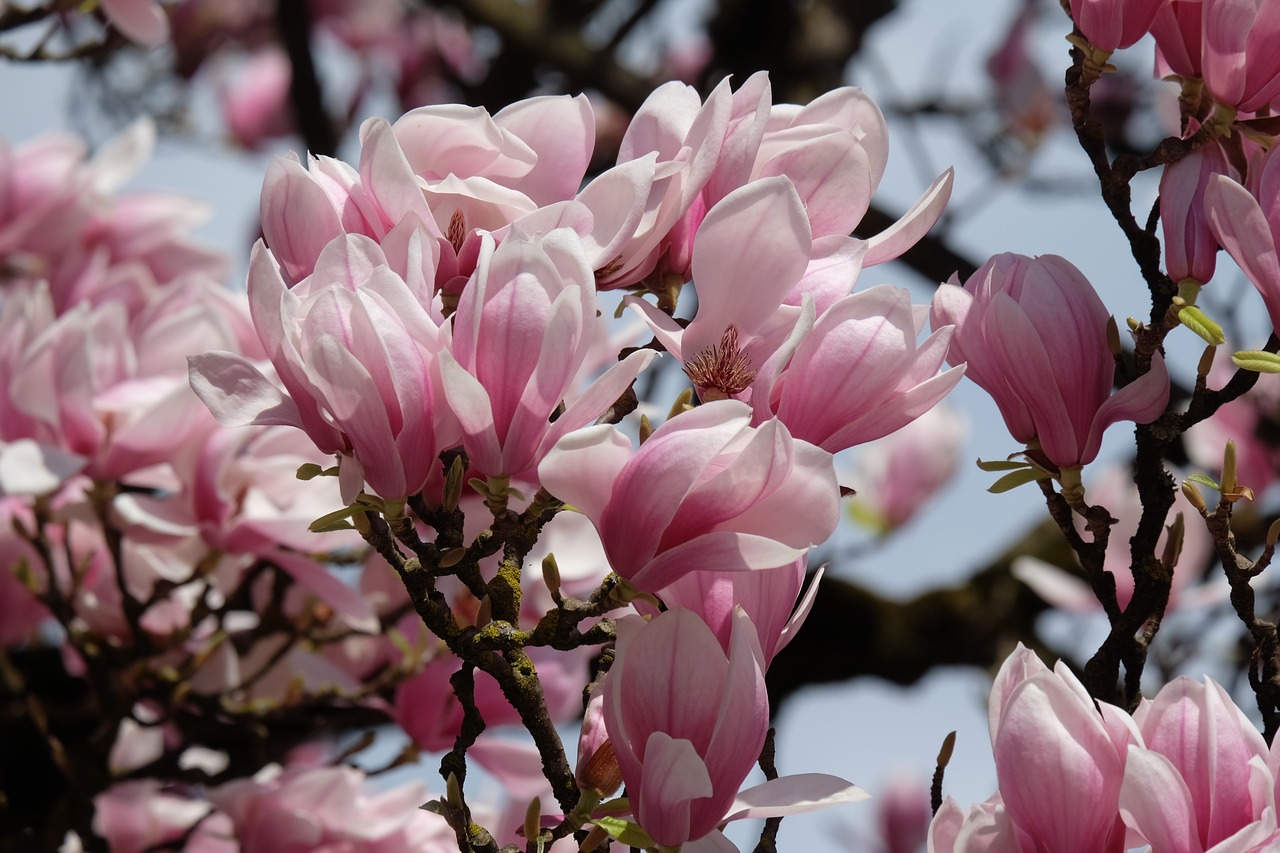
(1229, 469)
(1173, 545)
(1206, 363)
(551, 576)
(682, 404)
(1193, 496)
(646, 428)
(453, 484)
(533, 818)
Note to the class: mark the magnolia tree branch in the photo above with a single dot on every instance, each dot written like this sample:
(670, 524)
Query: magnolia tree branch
(1264, 669)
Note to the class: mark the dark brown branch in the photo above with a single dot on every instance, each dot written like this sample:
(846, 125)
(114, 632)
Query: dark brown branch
(293, 23)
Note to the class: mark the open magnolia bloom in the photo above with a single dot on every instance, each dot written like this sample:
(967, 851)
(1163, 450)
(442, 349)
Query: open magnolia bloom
(706, 491)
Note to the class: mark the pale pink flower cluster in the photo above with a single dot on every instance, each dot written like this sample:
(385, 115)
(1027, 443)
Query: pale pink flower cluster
(454, 213)
(63, 223)
(294, 809)
(1188, 773)
(410, 52)
(103, 299)
(443, 294)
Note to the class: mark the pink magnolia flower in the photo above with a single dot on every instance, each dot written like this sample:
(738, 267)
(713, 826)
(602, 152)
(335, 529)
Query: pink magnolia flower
(139, 815)
(1202, 782)
(857, 374)
(1034, 335)
(356, 350)
(898, 474)
(1244, 421)
(255, 98)
(1246, 222)
(1114, 24)
(1226, 42)
(1190, 250)
(304, 210)
(770, 597)
(299, 808)
(687, 721)
(1239, 66)
(95, 385)
(902, 813)
(833, 150)
(1060, 763)
(1178, 29)
(63, 227)
(1028, 105)
(474, 171)
(751, 250)
(642, 206)
(521, 332)
(706, 490)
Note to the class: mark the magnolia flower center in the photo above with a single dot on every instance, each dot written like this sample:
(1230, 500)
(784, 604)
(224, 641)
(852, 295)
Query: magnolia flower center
(609, 269)
(457, 230)
(722, 370)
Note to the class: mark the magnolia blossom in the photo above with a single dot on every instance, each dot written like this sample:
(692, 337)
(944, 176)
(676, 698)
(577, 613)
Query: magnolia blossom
(858, 374)
(255, 98)
(1205, 779)
(1034, 335)
(768, 596)
(642, 205)
(520, 335)
(138, 815)
(1233, 53)
(751, 250)
(301, 808)
(356, 350)
(898, 474)
(142, 21)
(1178, 29)
(704, 491)
(1188, 773)
(1113, 24)
(63, 226)
(1190, 250)
(1246, 222)
(852, 376)
(687, 720)
(1060, 759)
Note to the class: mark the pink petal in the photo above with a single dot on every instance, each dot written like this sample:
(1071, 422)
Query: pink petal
(750, 251)
(237, 393)
(142, 21)
(788, 795)
(912, 225)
